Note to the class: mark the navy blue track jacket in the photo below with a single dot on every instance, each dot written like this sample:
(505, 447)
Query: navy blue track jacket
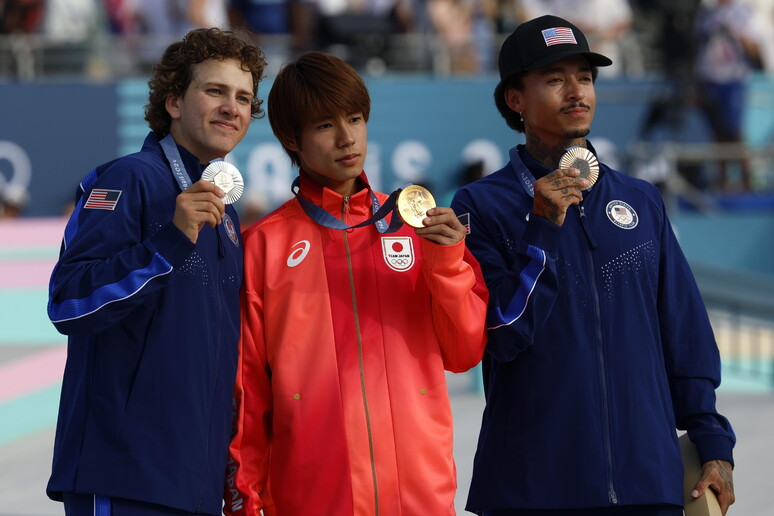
(153, 323)
(599, 348)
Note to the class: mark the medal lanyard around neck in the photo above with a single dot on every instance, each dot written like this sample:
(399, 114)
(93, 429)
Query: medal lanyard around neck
(169, 147)
(523, 173)
(324, 218)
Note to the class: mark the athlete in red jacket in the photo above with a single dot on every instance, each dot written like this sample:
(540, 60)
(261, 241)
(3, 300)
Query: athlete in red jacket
(341, 406)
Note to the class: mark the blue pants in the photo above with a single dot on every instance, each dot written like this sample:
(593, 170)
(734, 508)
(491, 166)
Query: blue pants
(632, 510)
(76, 504)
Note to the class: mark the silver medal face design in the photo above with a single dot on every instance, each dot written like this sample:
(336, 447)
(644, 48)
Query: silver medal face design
(225, 176)
(582, 159)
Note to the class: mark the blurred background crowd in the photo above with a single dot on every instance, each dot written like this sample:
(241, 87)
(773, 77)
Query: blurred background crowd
(120, 38)
(703, 53)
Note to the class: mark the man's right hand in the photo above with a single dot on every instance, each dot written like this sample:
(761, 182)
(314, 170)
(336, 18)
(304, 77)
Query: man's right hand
(556, 191)
(200, 204)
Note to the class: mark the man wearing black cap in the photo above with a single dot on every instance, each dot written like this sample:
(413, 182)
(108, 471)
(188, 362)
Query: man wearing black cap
(600, 346)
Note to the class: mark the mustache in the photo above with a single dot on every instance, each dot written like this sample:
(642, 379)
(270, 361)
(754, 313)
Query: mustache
(576, 105)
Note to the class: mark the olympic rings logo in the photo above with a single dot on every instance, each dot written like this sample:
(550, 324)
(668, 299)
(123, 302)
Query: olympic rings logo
(400, 261)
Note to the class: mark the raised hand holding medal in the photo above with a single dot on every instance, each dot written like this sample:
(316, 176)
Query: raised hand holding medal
(444, 228)
(225, 176)
(582, 159)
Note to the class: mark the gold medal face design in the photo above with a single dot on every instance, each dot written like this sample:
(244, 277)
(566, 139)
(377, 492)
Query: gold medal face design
(413, 203)
(582, 159)
(225, 176)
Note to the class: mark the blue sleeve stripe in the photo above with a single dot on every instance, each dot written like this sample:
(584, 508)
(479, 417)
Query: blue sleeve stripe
(106, 294)
(528, 278)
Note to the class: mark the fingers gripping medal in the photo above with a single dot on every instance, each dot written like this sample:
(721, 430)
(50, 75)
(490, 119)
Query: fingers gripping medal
(225, 176)
(582, 159)
(413, 203)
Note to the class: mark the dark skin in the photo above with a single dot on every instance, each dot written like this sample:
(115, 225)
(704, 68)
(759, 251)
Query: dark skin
(718, 476)
(557, 105)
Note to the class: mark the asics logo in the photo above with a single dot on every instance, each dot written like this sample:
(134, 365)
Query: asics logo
(300, 250)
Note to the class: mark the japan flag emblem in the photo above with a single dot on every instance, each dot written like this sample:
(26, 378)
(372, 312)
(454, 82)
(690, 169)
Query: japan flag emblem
(398, 253)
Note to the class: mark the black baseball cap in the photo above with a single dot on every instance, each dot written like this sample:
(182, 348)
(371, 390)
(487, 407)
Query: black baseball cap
(542, 41)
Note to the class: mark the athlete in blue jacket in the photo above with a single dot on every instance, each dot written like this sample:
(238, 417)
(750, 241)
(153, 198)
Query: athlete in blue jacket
(600, 346)
(147, 289)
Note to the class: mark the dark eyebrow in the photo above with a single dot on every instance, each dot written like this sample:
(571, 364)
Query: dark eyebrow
(549, 71)
(562, 69)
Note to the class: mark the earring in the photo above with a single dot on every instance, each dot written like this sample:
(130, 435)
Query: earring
(521, 117)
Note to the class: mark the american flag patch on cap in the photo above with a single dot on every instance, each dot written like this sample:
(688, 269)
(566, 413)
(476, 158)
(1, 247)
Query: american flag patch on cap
(558, 35)
(101, 199)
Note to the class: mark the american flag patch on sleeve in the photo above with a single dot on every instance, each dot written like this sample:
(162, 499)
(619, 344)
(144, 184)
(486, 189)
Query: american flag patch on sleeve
(465, 221)
(101, 199)
(558, 35)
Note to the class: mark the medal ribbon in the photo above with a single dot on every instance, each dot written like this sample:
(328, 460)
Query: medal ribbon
(327, 220)
(169, 147)
(523, 173)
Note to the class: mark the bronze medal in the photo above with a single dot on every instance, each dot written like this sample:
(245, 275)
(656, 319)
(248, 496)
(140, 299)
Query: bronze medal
(413, 203)
(582, 159)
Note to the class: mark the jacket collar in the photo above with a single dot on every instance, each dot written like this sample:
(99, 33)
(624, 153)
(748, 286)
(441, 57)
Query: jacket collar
(332, 202)
(192, 165)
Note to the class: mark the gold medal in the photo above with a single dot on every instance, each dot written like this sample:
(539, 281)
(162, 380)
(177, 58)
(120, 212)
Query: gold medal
(225, 176)
(413, 203)
(582, 159)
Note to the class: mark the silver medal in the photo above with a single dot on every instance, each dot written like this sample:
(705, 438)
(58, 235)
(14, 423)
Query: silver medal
(225, 176)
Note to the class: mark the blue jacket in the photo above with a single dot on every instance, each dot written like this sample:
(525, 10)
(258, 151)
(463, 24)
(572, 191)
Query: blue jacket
(153, 326)
(599, 348)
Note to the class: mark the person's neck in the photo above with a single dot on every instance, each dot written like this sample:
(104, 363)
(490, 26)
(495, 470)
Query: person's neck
(179, 140)
(343, 188)
(549, 154)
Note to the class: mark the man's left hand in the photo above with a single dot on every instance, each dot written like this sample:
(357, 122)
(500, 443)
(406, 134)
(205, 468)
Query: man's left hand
(718, 476)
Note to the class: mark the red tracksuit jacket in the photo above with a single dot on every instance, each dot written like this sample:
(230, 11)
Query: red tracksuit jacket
(341, 405)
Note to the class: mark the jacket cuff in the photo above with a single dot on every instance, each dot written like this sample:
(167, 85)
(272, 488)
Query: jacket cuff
(434, 254)
(714, 447)
(172, 244)
(543, 234)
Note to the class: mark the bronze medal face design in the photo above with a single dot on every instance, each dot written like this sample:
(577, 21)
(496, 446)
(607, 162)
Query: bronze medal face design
(582, 159)
(225, 176)
(413, 203)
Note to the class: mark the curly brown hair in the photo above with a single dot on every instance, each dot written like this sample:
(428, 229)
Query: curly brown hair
(173, 73)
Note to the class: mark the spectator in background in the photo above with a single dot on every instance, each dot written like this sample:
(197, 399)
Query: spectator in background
(209, 13)
(727, 51)
(360, 31)
(20, 16)
(157, 23)
(261, 16)
(606, 23)
(278, 26)
(13, 198)
(466, 29)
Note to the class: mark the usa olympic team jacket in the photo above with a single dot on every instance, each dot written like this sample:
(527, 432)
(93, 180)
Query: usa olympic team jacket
(153, 325)
(341, 404)
(599, 348)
